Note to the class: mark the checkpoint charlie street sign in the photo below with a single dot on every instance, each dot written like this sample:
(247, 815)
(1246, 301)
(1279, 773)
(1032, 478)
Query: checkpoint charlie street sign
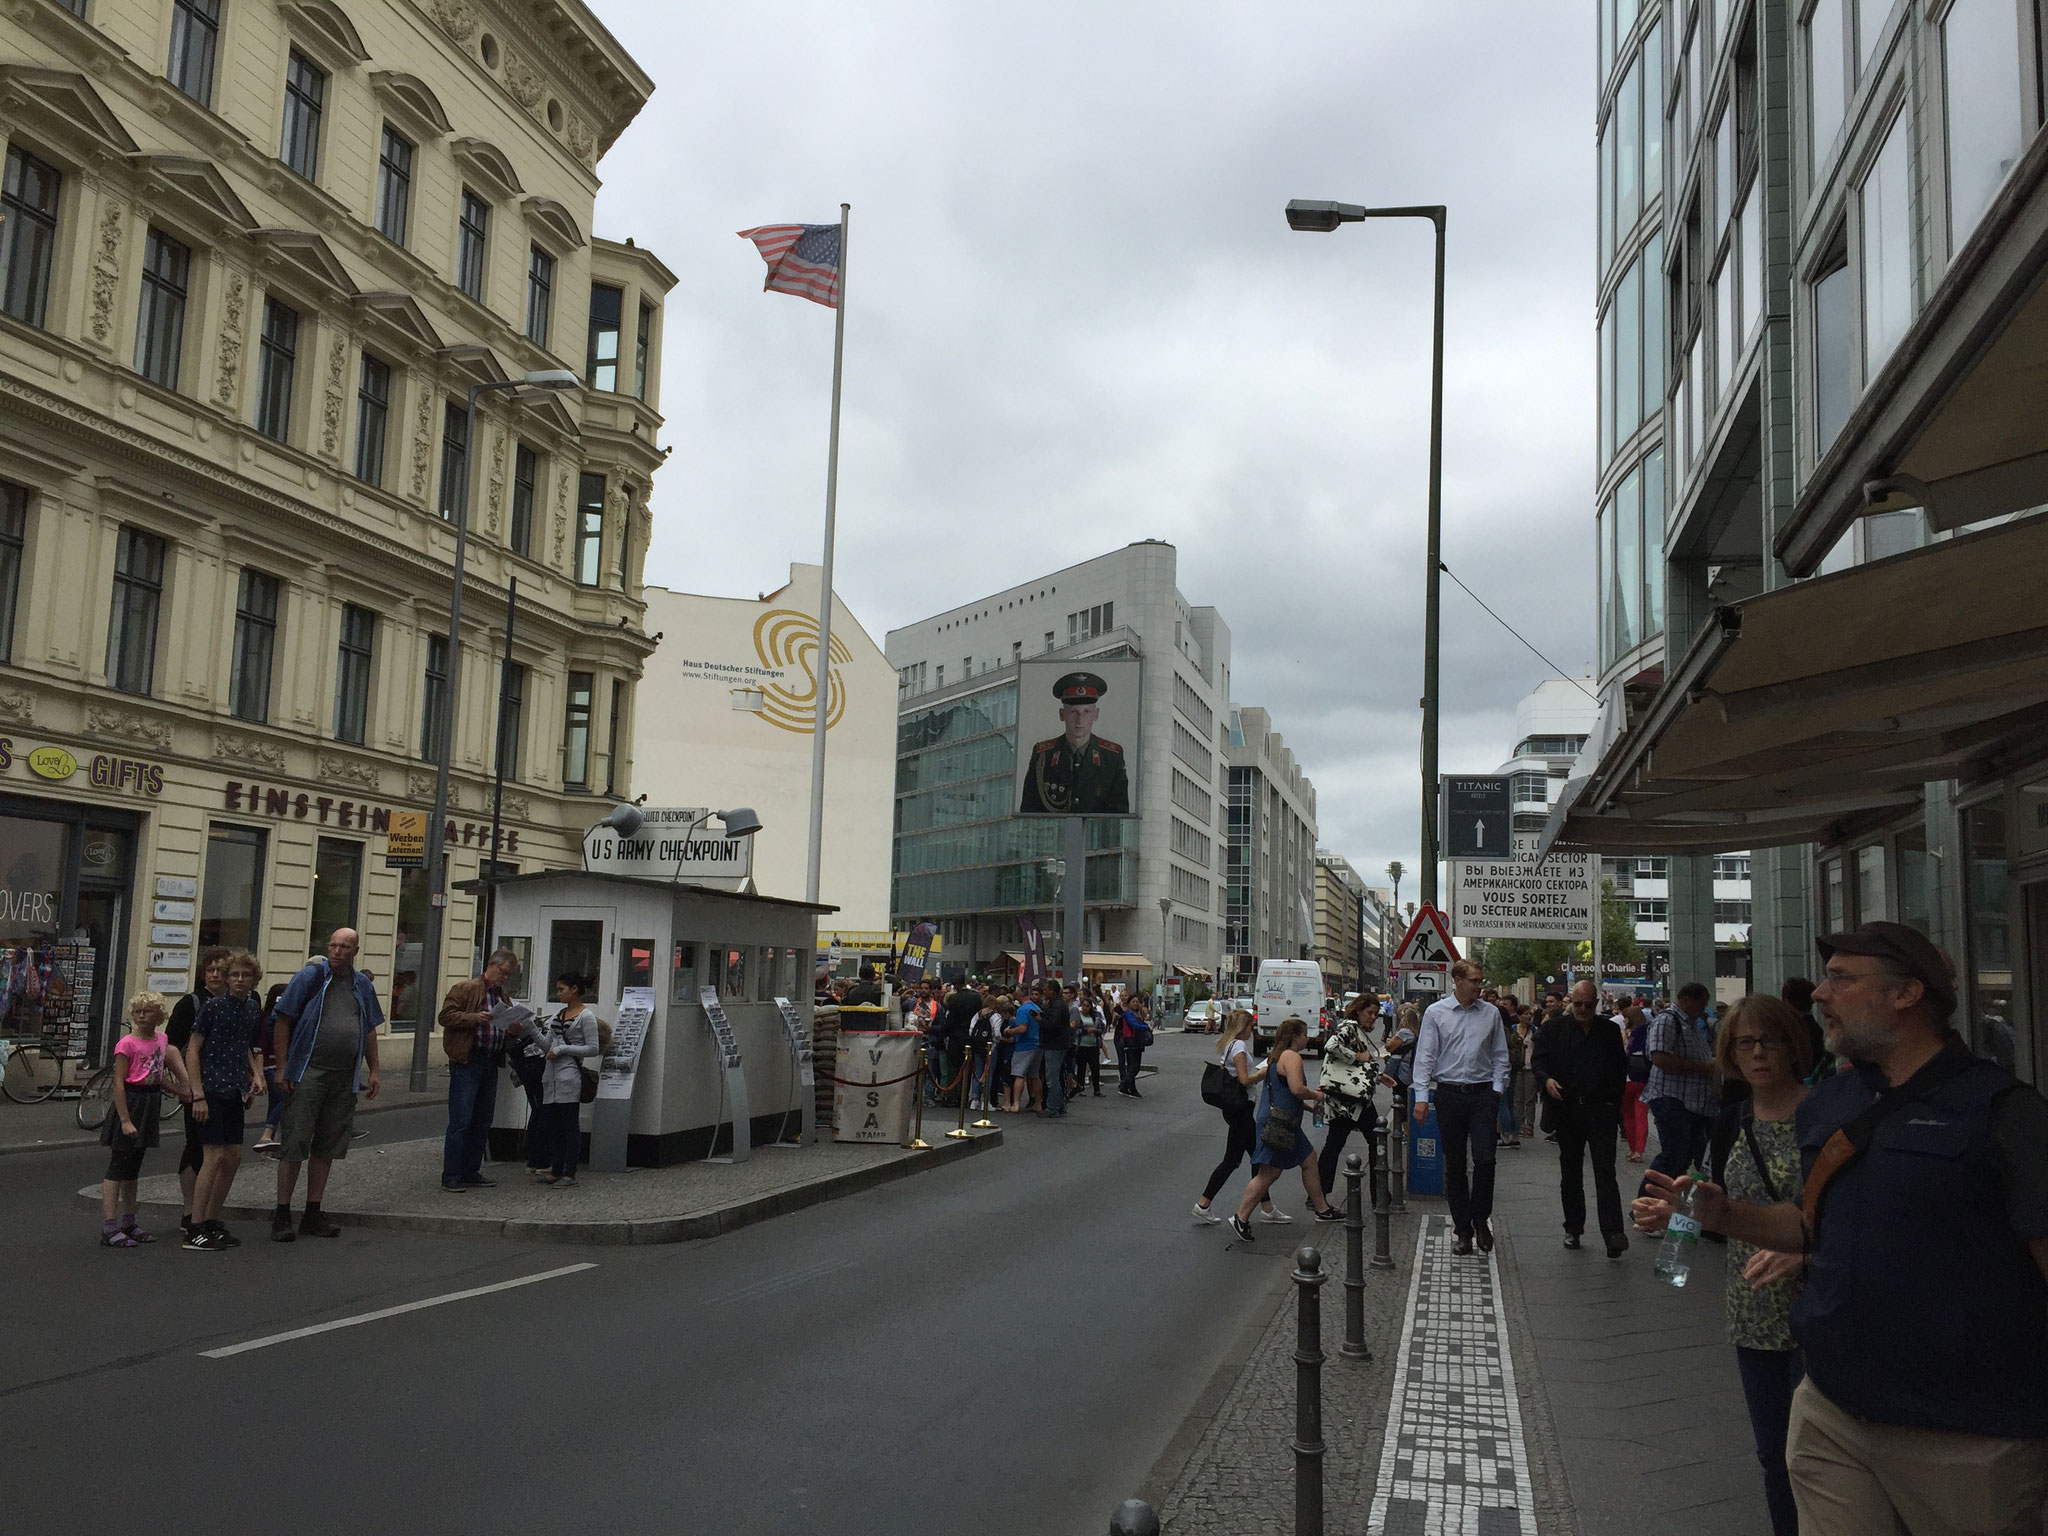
(1478, 817)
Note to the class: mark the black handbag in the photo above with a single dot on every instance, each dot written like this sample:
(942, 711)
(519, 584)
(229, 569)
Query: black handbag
(1282, 1130)
(1221, 1088)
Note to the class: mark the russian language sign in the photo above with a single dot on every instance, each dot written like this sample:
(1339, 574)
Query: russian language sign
(1522, 898)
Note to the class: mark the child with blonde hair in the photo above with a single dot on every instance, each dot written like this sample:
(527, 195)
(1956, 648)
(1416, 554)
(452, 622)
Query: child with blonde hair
(143, 1064)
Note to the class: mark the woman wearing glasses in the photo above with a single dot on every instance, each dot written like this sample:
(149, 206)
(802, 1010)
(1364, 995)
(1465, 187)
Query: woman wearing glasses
(1754, 1155)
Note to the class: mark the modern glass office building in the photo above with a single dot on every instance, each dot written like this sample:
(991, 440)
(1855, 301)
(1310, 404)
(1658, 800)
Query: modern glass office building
(1823, 234)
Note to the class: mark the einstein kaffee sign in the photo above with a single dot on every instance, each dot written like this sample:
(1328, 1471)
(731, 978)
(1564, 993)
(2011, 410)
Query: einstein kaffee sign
(1524, 897)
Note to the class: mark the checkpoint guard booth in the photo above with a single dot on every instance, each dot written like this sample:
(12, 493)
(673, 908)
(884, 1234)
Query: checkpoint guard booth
(708, 992)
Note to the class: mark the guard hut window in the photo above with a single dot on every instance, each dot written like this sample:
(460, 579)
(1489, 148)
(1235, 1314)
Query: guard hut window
(138, 595)
(305, 96)
(255, 644)
(195, 36)
(682, 973)
(28, 234)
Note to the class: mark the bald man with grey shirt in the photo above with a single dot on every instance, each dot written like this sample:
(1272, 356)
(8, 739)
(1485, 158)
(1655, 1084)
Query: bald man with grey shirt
(326, 1033)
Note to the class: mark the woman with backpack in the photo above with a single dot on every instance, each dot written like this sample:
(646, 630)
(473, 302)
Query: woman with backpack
(1281, 1143)
(569, 1042)
(1227, 1083)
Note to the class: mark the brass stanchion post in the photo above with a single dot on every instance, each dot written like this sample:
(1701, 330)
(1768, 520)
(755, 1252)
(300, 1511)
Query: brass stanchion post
(917, 1141)
(960, 1132)
(988, 1077)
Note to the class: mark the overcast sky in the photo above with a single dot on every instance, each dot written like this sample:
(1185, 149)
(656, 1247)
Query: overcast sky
(1076, 317)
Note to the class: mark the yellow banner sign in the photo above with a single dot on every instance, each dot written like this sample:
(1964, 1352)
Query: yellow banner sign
(406, 845)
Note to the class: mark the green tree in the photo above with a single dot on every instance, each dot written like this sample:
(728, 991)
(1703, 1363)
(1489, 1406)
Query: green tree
(1617, 929)
(1509, 960)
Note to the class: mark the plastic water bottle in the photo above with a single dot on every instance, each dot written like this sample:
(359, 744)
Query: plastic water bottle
(1681, 1237)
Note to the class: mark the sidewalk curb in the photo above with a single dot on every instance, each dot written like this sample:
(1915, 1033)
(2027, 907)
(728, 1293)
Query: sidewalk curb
(648, 1230)
(84, 1139)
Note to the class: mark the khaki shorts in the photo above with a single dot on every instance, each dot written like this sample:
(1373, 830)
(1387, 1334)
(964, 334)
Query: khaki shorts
(319, 1115)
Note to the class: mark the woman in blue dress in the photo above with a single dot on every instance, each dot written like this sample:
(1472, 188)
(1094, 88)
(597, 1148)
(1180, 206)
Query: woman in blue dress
(1279, 1121)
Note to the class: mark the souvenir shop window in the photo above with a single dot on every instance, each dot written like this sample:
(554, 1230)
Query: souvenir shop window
(32, 861)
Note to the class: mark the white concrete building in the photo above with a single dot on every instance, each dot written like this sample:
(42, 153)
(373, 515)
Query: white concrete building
(727, 707)
(1270, 852)
(965, 862)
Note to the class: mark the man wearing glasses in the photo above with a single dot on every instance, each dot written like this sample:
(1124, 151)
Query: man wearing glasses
(1582, 1064)
(1924, 1219)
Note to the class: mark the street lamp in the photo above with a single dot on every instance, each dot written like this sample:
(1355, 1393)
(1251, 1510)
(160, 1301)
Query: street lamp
(740, 821)
(1322, 218)
(1165, 907)
(428, 988)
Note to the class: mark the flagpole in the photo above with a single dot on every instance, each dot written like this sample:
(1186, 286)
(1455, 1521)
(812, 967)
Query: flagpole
(821, 669)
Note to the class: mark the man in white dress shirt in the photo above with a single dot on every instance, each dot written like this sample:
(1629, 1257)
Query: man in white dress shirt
(1461, 1061)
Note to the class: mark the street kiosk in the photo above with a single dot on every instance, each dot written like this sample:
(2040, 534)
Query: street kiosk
(708, 994)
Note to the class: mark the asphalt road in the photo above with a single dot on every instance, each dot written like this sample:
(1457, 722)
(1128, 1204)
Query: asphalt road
(1005, 1345)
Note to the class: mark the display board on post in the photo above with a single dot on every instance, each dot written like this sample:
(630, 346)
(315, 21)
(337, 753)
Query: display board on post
(611, 1112)
(735, 1080)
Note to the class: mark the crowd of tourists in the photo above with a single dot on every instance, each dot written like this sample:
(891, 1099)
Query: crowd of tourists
(1026, 1049)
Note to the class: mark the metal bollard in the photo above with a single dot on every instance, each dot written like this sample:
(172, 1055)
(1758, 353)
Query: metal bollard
(1398, 1168)
(960, 1132)
(1308, 1394)
(1354, 1261)
(1134, 1517)
(917, 1143)
(1382, 1206)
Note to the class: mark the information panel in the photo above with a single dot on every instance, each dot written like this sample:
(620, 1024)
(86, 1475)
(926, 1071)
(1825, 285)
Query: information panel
(621, 1063)
(1523, 897)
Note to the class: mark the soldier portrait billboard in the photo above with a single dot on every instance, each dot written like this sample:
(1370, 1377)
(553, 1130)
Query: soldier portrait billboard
(1077, 738)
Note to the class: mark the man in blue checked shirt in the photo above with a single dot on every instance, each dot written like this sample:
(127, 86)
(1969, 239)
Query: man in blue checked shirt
(1680, 1092)
(1461, 1058)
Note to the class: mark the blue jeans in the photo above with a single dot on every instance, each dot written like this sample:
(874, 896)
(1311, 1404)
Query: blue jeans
(1681, 1137)
(1055, 1061)
(472, 1100)
(1769, 1377)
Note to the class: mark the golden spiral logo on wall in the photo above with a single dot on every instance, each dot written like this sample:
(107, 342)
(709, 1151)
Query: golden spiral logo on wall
(788, 640)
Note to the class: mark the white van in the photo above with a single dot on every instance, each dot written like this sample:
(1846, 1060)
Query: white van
(1289, 989)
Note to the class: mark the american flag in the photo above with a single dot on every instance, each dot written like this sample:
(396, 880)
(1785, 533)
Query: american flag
(803, 259)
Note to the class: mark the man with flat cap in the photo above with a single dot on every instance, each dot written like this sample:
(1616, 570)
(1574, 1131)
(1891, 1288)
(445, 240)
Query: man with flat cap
(1922, 1229)
(1078, 773)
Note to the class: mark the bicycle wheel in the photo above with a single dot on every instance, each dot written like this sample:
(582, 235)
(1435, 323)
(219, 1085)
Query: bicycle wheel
(173, 1107)
(96, 1099)
(31, 1074)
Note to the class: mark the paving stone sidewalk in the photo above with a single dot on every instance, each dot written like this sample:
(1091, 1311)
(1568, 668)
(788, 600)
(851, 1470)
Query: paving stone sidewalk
(1627, 1413)
(399, 1186)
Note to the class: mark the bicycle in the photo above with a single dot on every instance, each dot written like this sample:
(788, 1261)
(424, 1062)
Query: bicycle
(31, 1070)
(96, 1102)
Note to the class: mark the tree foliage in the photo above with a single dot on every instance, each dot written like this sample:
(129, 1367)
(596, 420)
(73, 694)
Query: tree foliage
(1509, 960)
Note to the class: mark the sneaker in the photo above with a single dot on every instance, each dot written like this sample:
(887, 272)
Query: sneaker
(478, 1181)
(1273, 1216)
(316, 1224)
(1572, 1241)
(1207, 1217)
(281, 1230)
(1330, 1213)
(1242, 1228)
(200, 1240)
(450, 1186)
(223, 1238)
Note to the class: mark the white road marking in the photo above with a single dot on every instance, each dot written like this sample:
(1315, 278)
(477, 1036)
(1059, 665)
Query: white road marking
(384, 1312)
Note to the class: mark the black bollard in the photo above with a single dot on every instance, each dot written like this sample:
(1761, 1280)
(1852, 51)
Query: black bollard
(1382, 1206)
(1308, 1394)
(1397, 1171)
(1134, 1517)
(1354, 1261)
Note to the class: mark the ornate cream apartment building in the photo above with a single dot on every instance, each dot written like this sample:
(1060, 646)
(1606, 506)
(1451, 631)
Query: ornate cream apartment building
(253, 255)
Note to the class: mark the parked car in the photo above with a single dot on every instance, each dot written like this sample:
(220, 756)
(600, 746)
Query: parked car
(1204, 1017)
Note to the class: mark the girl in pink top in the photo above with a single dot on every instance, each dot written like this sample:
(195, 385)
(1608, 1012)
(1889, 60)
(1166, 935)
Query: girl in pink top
(143, 1064)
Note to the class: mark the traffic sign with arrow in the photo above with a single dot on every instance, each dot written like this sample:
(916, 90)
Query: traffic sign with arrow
(1427, 941)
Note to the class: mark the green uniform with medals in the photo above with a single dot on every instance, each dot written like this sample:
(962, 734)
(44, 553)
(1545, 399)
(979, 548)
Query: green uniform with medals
(1066, 780)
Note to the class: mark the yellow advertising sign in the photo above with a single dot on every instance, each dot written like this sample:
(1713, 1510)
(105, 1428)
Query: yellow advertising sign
(406, 845)
(52, 763)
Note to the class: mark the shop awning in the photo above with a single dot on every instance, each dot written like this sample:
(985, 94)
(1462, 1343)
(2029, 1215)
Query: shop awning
(1953, 422)
(1098, 962)
(1796, 713)
(1194, 971)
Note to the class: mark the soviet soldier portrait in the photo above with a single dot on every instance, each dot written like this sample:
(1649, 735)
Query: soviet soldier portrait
(1077, 773)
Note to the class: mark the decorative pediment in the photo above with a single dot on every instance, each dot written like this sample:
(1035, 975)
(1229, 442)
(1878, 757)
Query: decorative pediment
(402, 315)
(323, 29)
(551, 406)
(64, 105)
(197, 184)
(411, 100)
(307, 257)
(488, 161)
(477, 363)
(554, 220)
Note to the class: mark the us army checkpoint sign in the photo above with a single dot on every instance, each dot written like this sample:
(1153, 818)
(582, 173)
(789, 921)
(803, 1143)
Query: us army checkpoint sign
(1520, 897)
(1477, 818)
